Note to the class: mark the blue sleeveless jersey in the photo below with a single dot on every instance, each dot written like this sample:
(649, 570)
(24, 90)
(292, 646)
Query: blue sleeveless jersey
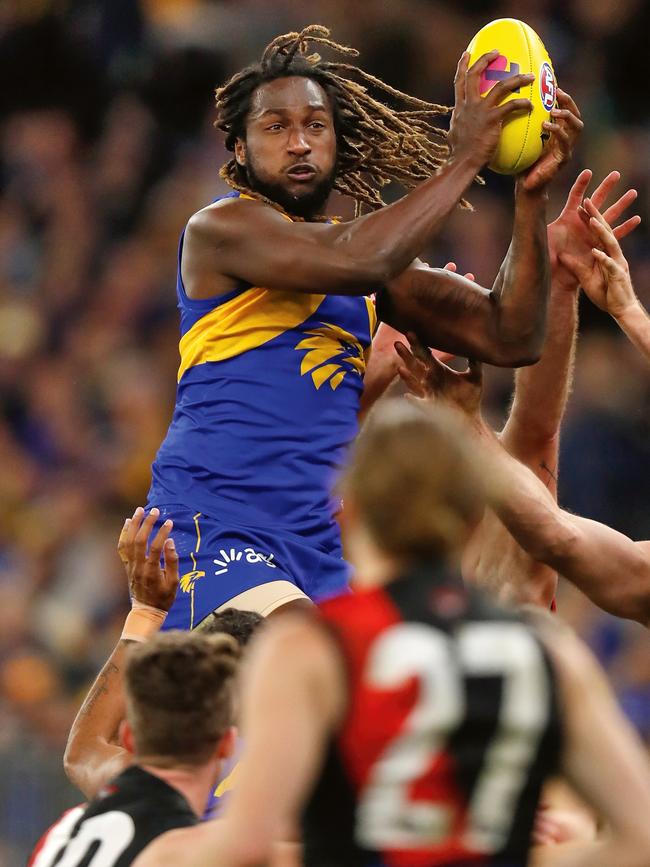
(267, 401)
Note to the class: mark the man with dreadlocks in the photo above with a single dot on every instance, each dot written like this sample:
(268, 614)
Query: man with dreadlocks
(275, 321)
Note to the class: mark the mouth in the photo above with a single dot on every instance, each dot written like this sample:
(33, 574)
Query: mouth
(301, 172)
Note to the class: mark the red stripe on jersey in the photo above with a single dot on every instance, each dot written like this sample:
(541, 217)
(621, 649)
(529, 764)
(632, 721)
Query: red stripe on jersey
(376, 718)
(61, 829)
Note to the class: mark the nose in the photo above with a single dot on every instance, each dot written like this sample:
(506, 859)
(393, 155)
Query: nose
(298, 144)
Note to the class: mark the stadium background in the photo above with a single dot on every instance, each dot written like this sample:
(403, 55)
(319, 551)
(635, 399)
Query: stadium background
(106, 148)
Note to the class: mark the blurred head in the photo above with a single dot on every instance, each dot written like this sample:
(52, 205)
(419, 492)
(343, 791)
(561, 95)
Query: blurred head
(414, 490)
(300, 127)
(180, 698)
(242, 625)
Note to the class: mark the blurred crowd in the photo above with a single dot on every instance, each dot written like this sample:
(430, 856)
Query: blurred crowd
(106, 148)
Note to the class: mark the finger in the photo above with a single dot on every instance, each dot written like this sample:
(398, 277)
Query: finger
(606, 237)
(141, 537)
(170, 556)
(577, 191)
(612, 267)
(474, 372)
(156, 547)
(121, 542)
(604, 188)
(131, 532)
(450, 266)
(479, 66)
(627, 227)
(568, 117)
(416, 366)
(576, 266)
(418, 348)
(565, 100)
(558, 131)
(514, 105)
(614, 211)
(469, 276)
(459, 78)
(413, 383)
(507, 86)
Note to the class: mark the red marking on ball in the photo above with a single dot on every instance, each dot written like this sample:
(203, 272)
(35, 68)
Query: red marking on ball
(547, 86)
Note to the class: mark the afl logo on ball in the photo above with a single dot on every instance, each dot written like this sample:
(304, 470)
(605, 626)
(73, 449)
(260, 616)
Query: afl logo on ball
(547, 86)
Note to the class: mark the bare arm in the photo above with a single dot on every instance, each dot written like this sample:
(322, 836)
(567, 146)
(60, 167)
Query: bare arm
(603, 761)
(248, 240)
(612, 569)
(92, 756)
(503, 326)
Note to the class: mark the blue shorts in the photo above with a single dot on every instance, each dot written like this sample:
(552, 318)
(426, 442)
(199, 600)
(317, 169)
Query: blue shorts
(219, 561)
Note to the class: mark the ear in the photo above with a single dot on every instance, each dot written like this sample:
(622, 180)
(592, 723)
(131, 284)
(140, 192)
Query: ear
(226, 745)
(240, 151)
(125, 734)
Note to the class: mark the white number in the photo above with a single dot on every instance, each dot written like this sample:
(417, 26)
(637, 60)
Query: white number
(113, 831)
(386, 816)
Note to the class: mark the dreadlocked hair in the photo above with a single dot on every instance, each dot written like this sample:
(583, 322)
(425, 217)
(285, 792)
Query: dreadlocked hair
(377, 144)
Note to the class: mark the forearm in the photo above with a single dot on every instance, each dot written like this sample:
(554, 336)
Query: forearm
(397, 234)
(522, 287)
(532, 430)
(635, 322)
(90, 754)
(597, 854)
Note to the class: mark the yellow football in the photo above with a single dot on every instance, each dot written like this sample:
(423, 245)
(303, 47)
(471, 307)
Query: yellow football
(521, 51)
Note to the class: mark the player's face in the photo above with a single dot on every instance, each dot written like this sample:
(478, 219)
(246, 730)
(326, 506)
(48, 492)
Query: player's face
(290, 146)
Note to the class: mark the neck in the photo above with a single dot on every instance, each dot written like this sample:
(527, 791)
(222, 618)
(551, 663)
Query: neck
(194, 783)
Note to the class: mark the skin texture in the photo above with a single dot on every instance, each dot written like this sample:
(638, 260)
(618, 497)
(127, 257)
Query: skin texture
(294, 703)
(532, 431)
(93, 754)
(291, 124)
(611, 569)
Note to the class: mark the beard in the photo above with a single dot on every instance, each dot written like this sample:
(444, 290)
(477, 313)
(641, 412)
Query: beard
(306, 205)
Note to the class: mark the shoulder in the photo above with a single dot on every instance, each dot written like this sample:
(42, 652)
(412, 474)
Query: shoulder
(171, 847)
(227, 217)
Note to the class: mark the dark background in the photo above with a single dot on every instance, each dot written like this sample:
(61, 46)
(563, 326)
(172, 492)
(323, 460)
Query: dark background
(106, 148)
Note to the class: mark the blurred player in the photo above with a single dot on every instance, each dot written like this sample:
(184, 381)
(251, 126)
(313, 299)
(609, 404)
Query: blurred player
(179, 712)
(609, 567)
(532, 431)
(418, 721)
(274, 319)
(93, 753)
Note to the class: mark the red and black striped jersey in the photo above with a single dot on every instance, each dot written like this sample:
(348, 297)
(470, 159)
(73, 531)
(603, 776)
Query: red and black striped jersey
(116, 826)
(452, 726)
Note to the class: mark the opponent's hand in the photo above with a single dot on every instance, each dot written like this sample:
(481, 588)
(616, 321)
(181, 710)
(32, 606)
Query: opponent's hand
(570, 234)
(426, 377)
(562, 826)
(149, 583)
(605, 278)
(476, 121)
(564, 128)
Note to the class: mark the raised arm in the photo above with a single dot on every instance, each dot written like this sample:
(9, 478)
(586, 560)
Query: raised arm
(247, 240)
(92, 756)
(610, 568)
(504, 326)
(605, 278)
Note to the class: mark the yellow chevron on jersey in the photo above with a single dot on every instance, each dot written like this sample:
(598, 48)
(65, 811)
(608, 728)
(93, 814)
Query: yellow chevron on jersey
(245, 322)
(332, 352)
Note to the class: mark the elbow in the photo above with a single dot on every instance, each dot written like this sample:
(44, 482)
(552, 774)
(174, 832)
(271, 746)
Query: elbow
(72, 765)
(519, 353)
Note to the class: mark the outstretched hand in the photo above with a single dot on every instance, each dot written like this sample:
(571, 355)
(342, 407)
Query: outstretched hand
(570, 236)
(149, 583)
(564, 129)
(428, 378)
(605, 275)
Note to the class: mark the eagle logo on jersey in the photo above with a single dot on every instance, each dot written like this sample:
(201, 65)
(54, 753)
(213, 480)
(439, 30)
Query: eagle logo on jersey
(331, 353)
(189, 579)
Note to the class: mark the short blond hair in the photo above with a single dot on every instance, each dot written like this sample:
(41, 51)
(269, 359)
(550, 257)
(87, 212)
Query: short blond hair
(416, 480)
